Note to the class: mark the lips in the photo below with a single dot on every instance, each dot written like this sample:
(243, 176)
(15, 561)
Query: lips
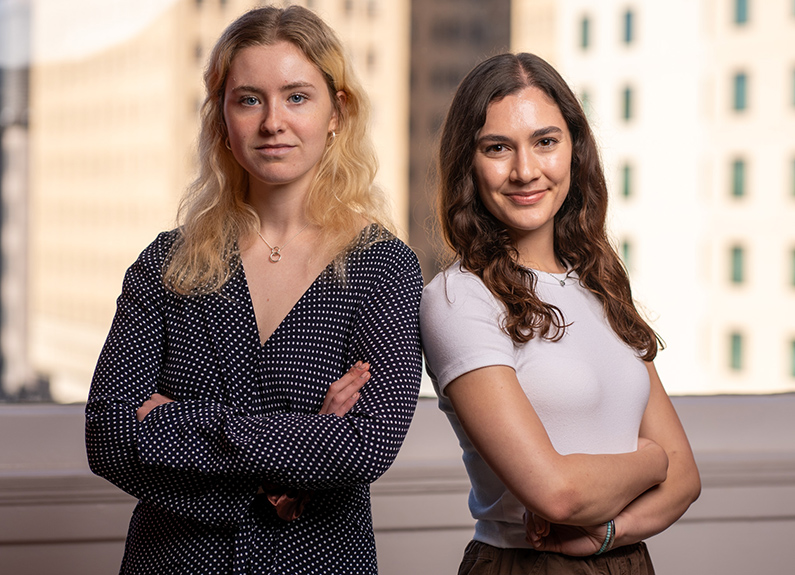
(526, 198)
(274, 150)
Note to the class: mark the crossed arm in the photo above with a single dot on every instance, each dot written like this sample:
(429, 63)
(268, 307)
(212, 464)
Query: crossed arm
(571, 496)
(340, 397)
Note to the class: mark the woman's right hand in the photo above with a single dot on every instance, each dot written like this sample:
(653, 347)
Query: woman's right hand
(344, 392)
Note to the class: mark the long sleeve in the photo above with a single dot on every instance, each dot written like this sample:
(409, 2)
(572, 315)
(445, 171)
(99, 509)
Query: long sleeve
(126, 375)
(305, 449)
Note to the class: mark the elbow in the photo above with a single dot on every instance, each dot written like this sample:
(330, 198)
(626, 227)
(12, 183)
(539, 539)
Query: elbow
(560, 503)
(694, 487)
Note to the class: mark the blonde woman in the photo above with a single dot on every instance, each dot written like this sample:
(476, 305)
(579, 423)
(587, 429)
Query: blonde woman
(264, 362)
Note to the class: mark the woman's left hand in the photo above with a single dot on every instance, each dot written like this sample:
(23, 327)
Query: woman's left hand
(565, 539)
(150, 404)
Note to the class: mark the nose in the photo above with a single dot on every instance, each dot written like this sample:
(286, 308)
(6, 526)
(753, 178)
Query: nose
(526, 167)
(273, 122)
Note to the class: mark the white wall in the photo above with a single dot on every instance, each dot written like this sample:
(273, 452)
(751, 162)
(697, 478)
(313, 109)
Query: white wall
(55, 517)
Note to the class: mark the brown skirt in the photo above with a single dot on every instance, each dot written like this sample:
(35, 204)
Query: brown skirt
(483, 559)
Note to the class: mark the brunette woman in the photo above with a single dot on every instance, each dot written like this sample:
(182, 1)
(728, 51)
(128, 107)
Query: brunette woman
(539, 356)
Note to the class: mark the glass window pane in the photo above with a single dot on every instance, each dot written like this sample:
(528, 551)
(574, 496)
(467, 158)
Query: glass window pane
(736, 351)
(792, 358)
(626, 104)
(585, 32)
(626, 180)
(737, 265)
(738, 178)
(628, 27)
(740, 11)
(626, 254)
(792, 268)
(740, 100)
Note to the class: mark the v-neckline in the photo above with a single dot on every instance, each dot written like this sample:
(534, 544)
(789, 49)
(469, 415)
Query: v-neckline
(311, 287)
(263, 344)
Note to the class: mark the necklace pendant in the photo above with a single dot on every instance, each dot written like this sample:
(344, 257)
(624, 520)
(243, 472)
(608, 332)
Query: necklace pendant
(562, 283)
(276, 254)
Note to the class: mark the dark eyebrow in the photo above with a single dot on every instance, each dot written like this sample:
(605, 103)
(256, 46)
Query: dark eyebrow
(540, 133)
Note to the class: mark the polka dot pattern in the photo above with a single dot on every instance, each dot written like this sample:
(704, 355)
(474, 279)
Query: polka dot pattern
(247, 414)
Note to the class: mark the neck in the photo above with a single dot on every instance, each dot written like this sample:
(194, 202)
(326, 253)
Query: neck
(281, 211)
(537, 251)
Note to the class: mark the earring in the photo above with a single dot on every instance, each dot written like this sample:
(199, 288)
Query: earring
(227, 144)
(333, 134)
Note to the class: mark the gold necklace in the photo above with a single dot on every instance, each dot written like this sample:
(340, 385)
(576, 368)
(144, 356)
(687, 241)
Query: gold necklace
(276, 251)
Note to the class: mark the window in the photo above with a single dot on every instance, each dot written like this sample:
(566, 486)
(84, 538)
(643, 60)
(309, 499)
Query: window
(626, 180)
(628, 35)
(626, 253)
(741, 12)
(372, 9)
(736, 351)
(740, 88)
(737, 275)
(792, 176)
(792, 87)
(738, 178)
(585, 32)
(792, 267)
(792, 358)
(587, 106)
(626, 104)
(372, 60)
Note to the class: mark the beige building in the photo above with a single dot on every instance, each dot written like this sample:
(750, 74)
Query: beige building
(694, 106)
(115, 92)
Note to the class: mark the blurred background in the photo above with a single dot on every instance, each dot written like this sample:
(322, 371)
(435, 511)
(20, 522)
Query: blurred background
(693, 104)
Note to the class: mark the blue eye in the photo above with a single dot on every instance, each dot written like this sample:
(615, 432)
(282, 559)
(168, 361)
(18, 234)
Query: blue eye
(250, 101)
(296, 98)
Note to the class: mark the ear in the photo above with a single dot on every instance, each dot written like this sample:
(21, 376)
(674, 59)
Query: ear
(342, 101)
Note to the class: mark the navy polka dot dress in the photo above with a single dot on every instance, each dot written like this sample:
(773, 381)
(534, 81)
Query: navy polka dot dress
(246, 414)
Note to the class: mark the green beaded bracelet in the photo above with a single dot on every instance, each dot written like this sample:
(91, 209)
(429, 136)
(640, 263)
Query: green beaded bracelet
(610, 537)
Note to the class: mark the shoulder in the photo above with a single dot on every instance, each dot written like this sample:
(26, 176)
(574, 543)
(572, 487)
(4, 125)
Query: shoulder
(158, 251)
(151, 261)
(378, 252)
(456, 287)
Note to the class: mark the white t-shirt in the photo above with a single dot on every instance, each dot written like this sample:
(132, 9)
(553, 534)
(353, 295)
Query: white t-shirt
(589, 389)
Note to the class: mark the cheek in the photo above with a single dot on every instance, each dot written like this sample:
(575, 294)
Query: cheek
(487, 178)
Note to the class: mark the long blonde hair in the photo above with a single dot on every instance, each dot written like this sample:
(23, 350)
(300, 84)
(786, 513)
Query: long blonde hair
(214, 214)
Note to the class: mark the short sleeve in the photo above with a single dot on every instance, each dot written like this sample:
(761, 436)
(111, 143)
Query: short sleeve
(460, 325)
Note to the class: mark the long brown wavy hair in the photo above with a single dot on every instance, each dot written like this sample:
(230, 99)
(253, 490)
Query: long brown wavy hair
(481, 242)
(214, 213)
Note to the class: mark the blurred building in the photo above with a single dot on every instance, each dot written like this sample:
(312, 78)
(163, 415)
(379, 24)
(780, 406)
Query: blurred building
(693, 103)
(18, 381)
(115, 93)
(448, 37)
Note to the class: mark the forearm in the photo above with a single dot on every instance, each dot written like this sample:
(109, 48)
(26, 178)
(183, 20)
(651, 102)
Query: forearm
(599, 487)
(657, 509)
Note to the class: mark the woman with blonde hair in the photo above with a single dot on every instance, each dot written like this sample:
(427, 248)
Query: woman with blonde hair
(264, 362)
(541, 361)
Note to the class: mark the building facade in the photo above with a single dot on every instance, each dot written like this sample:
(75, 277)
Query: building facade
(693, 104)
(112, 153)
